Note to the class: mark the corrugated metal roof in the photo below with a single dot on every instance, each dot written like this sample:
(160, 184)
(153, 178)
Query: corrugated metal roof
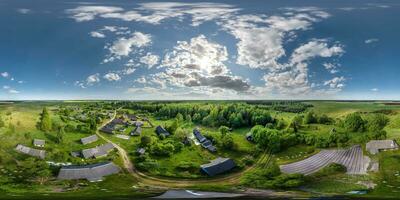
(89, 139)
(93, 172)
(30, 151)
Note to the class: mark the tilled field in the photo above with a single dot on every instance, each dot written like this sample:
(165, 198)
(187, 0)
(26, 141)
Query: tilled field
(352, 158)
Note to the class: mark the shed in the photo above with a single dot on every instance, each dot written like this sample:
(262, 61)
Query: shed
(38, 143)
(161, 131)
(218, 166)
(97, 152)
(137, 131)
(92, 173)
(199, 136)
(374, 146)
(30, 151)
(89, 139)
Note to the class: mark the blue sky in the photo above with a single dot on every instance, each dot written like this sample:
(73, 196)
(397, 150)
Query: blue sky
(199, 50)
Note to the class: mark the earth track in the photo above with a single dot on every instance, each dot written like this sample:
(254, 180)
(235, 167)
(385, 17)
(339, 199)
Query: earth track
(148, 180)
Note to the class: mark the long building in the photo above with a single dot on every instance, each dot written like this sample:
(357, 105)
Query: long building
(218, 166)
(92, 173)
(97, 152)
(30, 151)
(374, 146)
(89, 139)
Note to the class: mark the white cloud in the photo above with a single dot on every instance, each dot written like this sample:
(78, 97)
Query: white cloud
(150, 60)
(112, 76)
(97, 34)
(315, 48)
(87, 13)
(5, 74)
(141, 80)
(6, 87)
(374, 89)
(12, 91)
(23, 10)
(335, 83)
(21, 82)
(371, 40)
(332, 68)
(199, 63)
(123, 46)
(94, 78)
(155, 12)
(129, 70)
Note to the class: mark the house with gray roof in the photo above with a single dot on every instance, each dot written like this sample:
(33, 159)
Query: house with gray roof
(89, 139)
(161, 131)
(218, 166)
(92, 173)
(30, 151)
(137, 131)
(374, 146)
(39, 143)
(97, 152)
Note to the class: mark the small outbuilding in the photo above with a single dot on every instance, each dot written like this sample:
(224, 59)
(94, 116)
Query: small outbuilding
(218, 166)
(161, 131)
(39, 143)
(198, 135)
(89, 139)
(374, 146)
(30, 151)
(92, 173)
(97, 152)
(137, 131)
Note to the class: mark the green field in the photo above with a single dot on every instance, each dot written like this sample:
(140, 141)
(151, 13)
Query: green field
(20, 120)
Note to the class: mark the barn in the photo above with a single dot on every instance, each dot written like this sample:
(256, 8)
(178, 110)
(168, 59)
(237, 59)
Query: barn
(374, 146)
(89, 139)
(30, 151)
(218, 166)
(92, 173)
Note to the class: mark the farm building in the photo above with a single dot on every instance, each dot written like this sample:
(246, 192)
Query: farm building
(161, 131)
(89, 139)
(107, 129)
(118, 121)
(97, 152)
(199, 136)
(38, 143)
(138, 123)
(130, 117)
(137, 131)
(30, 151)
(352, 158)
(205, 143)
(218, 166)
(124, 137)
(92, 173)
(374, 146)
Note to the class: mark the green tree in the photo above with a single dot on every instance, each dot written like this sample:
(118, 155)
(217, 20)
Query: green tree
(93, 124)
(223, 130)
(353, 122)
(60, 135)
(227, 142)
(45, 121)
(310, 118)
(179, 117)
(188, 119)
(376, 122)
(145, 141)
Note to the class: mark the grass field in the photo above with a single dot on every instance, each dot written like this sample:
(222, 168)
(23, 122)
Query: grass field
(20, 121)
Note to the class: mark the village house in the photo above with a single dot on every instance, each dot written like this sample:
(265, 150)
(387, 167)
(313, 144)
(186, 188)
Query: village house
(137, 131)
(89, 139)
(92, 173)
(39, 143)
(205, 143)
(218, 166)
(30, 151)
(98, 152)
(161, 131)
(374, 146)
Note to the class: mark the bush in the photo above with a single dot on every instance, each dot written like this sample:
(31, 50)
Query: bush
(331, 169)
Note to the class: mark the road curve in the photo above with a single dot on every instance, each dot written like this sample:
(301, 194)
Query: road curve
(148, 180)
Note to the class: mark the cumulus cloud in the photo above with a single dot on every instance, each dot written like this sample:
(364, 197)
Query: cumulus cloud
(6, 87)
(200, 63)
(155, 12)
(371, 40)
(87, 13)
(112, 76)
(129, 70)
(141, 80)
(150, 60)
(124, 46)
(315, 48)
(96, 34)
(94, 78)
(5, 74)
(12, 91)
(335, 83)
(331, 67)
(374, 89)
